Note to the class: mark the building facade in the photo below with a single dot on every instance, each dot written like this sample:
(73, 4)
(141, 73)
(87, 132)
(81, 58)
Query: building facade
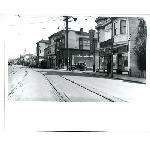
(78, 45)
(41, 45)
(117, 37)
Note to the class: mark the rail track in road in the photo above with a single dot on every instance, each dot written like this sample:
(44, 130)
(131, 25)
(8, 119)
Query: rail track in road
(97, 92)
(17, 85)
(61, 89)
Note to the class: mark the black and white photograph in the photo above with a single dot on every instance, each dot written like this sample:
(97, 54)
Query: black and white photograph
(60, 59)
(75, 80)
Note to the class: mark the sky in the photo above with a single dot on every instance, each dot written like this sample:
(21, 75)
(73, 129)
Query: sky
(24, 31)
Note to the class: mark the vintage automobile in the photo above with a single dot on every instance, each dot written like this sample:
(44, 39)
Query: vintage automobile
(79, 66)
(9, 64)
(32, 64)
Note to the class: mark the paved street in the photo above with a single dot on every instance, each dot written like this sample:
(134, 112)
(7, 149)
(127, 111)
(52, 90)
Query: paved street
(34, 84)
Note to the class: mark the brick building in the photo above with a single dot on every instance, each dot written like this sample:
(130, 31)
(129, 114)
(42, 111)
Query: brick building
(118, 33)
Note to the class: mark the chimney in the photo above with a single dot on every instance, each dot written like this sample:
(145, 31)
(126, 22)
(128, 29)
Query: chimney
(81, 31)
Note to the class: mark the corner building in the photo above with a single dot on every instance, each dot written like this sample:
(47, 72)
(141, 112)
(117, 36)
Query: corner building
(118, 33)
(78, 45)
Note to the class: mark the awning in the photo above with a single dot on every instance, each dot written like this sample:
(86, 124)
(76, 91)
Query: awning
(120, 45)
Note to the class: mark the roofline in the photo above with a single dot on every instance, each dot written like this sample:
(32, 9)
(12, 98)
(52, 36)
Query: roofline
(100, 18)
(43, 41)
(55, 34)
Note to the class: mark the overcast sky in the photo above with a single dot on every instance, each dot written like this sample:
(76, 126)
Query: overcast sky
(23, 31)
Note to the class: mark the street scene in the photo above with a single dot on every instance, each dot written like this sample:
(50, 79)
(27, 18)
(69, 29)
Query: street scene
(105, 62)
(35, 84)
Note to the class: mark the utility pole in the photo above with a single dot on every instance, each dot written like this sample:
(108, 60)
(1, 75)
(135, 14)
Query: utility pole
(92, 46)
(94, 43)
(66, 19)
(112, 41)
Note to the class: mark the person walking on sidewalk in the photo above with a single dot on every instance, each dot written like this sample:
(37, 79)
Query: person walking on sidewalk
(108, 68)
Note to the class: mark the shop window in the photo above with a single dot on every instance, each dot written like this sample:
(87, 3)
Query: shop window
(122, 26)
(115, 28)
(123, 49)
(125, 62)
(115, 61)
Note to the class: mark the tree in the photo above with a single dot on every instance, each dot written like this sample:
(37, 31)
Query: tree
(140, 48)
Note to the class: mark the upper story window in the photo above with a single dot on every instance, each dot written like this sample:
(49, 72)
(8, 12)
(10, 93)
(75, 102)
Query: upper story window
(57, 43)
(122, 26)
(115, 28)
(40, 51)
(63, 41)
(81, 42)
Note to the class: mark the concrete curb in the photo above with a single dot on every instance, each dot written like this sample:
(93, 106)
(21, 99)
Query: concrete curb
(117, 78)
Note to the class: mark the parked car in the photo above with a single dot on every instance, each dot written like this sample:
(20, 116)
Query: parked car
(9, 64)
(31, 65)
(79, 66)
(72, 67)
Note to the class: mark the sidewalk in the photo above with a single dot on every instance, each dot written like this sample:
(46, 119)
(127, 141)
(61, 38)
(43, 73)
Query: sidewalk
(123, 77)
(118, 76)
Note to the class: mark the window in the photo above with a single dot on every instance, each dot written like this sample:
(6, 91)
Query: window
(122, 26)
(63, 41)
(40, 51)
(80, 43)
(125, 62)
(57, 44)
(115, 28)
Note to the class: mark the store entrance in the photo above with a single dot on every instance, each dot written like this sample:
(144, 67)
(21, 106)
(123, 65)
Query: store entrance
(119, 70)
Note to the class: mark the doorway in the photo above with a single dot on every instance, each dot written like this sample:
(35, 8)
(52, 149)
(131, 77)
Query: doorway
(119, 70)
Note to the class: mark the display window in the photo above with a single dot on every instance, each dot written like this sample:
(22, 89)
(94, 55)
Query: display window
(115, 61)
(125, 62)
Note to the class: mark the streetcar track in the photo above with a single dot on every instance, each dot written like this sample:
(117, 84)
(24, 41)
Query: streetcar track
(59, 96)
(95, 91)
(63, 97)
(11, 73)
(19, 84)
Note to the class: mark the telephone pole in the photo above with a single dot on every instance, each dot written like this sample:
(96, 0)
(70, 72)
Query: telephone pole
(92, 46)
(112, 41)
(66, 19)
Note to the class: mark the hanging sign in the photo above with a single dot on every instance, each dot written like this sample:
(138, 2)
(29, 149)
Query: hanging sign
(91, 32)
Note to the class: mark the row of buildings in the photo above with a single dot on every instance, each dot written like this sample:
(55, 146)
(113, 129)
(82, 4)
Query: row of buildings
(112, 38)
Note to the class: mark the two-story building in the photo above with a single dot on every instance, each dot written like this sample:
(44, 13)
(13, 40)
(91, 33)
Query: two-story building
(78, 45)
(117, 37)
(41, 45)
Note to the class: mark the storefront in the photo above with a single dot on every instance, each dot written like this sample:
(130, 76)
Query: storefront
(52, 60)
(120, 59)
(105, 54)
